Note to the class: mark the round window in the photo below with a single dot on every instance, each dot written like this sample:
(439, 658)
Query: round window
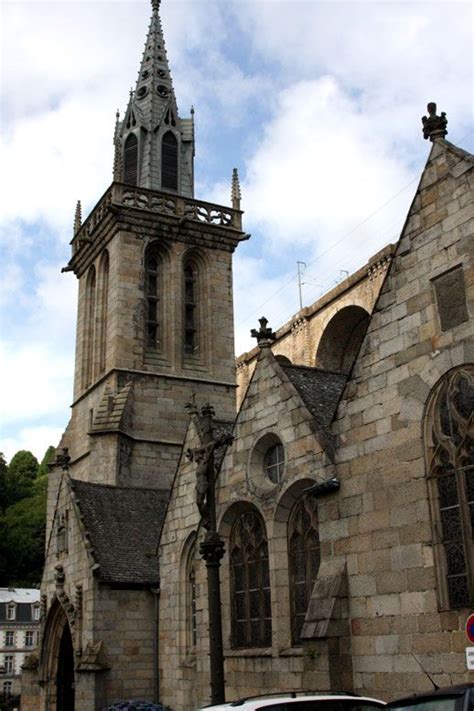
(274, 463)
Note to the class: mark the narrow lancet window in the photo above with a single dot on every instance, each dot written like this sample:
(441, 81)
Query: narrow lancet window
(304, 559)
(130, 160)
(169, 161)
(190, 308)
(153, 301)
(89, 327)
(103, 305)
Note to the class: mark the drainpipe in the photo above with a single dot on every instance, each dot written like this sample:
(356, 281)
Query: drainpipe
(156, 646)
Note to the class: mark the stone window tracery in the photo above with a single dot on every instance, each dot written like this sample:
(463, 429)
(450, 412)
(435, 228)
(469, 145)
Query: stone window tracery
(304, 557)
(192, 617)
(250, 583)
(449, 436)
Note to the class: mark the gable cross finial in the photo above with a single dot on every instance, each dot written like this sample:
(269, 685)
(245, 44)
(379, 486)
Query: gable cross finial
(434, 126)
(264, 335)
(235, 190)
(191, 405)
(78, 217)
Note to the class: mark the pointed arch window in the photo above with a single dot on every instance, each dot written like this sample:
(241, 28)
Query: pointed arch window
(449, 440)
(154, 298)
(103, 309)
(251, 616)
(130, 160)
(89, 327)
(190, 308)
(169, 161)
(304, 557)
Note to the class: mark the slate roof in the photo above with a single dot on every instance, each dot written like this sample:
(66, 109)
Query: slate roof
(320, 390)
(124, 525)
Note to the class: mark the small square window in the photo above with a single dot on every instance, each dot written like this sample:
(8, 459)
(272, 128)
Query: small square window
(450, 293)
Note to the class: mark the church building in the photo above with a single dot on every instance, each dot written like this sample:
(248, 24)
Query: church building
(344, 480)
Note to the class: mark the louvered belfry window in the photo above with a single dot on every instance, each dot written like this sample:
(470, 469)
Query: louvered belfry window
(153, 301)
(250, 583)
(190, 307)
(304, 558)
(130, 160)
(451, 475)
(169, 161)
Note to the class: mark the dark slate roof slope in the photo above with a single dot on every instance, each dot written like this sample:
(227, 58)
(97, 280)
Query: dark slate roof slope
(320, 390)
(124, 525)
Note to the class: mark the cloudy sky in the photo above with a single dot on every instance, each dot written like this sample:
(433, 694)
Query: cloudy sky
(318, 103)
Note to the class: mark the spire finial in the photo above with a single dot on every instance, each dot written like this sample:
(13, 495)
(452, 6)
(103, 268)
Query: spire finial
(155, 5)
(264, 335)
(78, 217)
(434, 126)
(235, 193)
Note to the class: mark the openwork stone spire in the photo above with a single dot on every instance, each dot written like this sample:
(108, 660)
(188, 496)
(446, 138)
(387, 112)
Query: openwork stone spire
(151, 116)
(434, 126)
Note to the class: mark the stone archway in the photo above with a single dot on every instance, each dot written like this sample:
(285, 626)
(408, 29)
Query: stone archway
(56, 670)
(341, 339)
(65, 673)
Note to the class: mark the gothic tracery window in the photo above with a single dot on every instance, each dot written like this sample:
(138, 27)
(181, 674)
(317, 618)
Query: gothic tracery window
(192, 617)
(250, 583)
(103, 309)
(450, 468)
(304, 559)
(153, 288)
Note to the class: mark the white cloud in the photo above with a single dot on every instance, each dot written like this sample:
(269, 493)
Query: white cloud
(35, 439)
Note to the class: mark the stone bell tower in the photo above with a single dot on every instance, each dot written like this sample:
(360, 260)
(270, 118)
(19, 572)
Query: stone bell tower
(155, 314)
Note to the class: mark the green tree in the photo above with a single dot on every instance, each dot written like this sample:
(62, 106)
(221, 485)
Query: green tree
(49, 457)
(3, 483)
(22, 472)
(22, 537)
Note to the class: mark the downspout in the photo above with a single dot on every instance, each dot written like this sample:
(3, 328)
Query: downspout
(156, 646)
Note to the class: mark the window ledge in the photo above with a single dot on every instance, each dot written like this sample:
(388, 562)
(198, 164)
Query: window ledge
(291, 652)
(254, 652)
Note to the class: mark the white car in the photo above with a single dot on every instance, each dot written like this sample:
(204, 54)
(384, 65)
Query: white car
(300, 701)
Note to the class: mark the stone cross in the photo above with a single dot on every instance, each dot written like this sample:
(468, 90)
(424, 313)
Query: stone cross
(264, 335)
(434, 126)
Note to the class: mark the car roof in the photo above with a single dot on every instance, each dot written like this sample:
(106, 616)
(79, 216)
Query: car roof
(292, 697)
(457, 690)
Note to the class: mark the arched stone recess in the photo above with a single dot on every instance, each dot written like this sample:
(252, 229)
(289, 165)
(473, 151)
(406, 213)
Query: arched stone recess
(158, 288)
(341, 339)
(196, 308)
(56, 672)
(188, 565)
(279, 555)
